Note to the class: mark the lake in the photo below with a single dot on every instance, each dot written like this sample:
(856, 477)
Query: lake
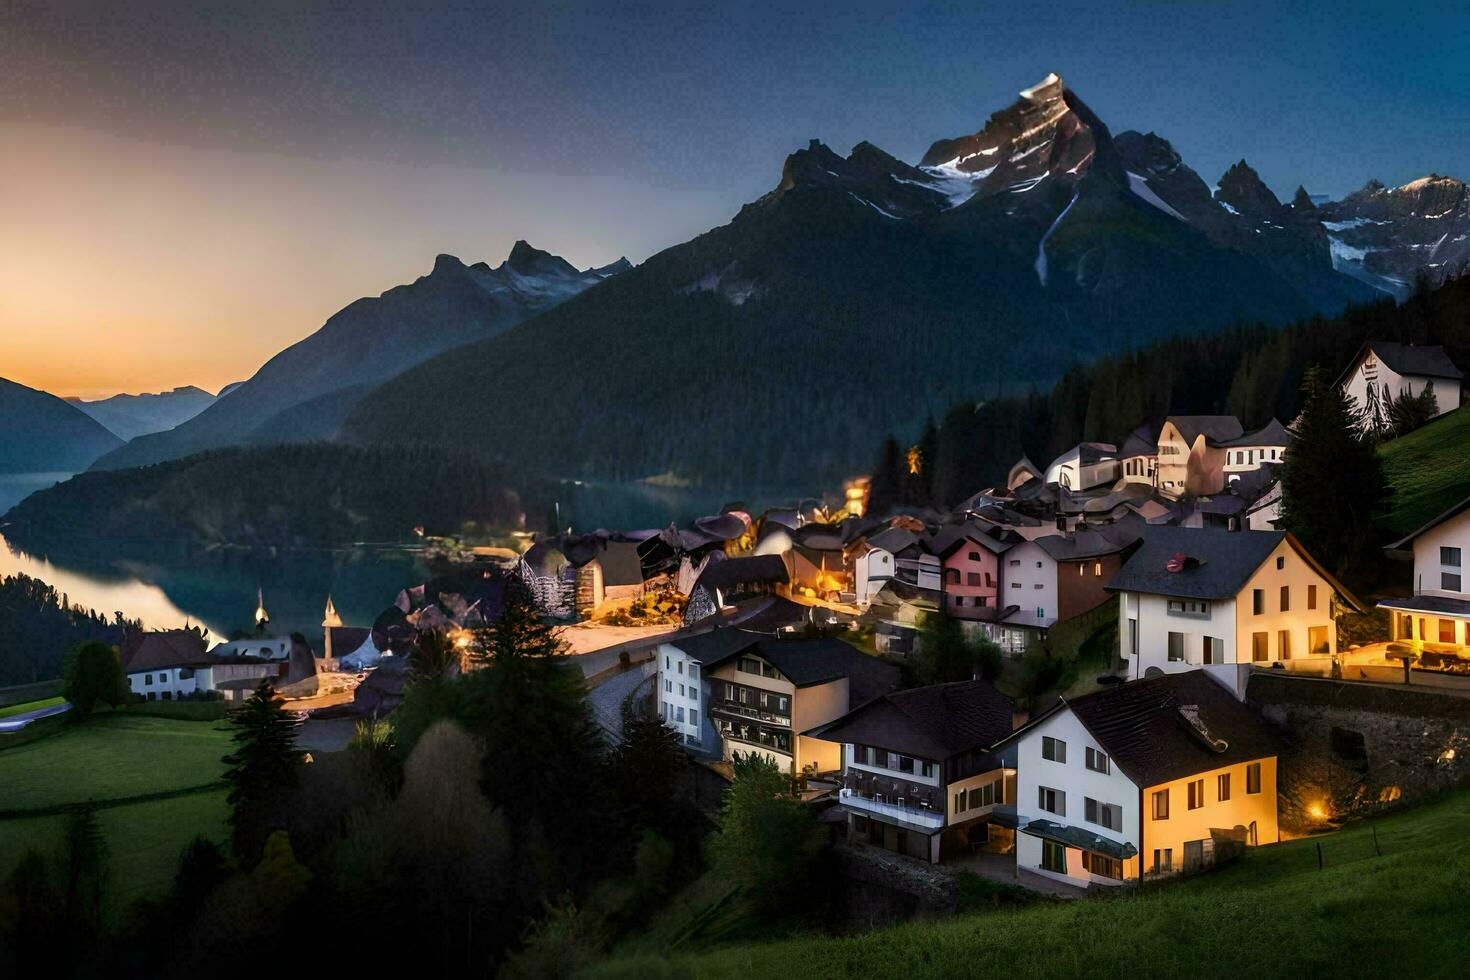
(15, 487)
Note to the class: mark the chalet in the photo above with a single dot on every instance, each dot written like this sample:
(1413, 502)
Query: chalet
(1139, 456)
(874, 557)
(920, 774)
(733, 690)
(1143, 780)
(1064, 575)
(1251, 451)
(971, 558)
(1381, 371)
(1085, 466)
(1439, 610)
(167, 665)
(1224, 601)
(725, 582)
(1192, 454)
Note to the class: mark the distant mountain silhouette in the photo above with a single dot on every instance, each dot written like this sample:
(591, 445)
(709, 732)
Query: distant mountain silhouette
(40, 433)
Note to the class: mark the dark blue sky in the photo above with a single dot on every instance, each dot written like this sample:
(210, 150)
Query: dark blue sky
(322, 151)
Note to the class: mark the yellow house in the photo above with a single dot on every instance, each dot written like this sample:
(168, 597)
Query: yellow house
(1191, 454)
(1151, 778)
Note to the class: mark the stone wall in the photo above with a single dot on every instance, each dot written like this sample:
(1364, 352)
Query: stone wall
(1356, 748)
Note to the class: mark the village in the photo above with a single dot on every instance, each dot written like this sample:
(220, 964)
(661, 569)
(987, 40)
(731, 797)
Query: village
(1151, 676)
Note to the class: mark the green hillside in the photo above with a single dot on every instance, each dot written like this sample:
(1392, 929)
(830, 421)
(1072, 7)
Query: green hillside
(1273, 914)
(1429, 471)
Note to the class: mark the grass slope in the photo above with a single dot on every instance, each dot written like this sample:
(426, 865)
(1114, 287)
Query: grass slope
(1429, 471)
(1272, 914)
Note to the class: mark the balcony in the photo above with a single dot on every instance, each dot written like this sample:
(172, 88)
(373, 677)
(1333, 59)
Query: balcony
(919, 816)
(737, 709)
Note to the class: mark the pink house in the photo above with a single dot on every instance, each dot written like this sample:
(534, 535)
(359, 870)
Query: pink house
(971, 563)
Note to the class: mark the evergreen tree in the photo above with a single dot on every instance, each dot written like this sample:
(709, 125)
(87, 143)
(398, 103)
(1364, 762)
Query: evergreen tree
(433, 656)
(91, 675)
(886, 486)
(644, 771)
(1409, 412)
(946, 653)
(1332, 483)
(263, 769)
(518, 632)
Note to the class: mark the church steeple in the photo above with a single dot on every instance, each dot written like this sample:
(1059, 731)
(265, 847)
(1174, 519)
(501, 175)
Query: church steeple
(330, 617)
(262, 618)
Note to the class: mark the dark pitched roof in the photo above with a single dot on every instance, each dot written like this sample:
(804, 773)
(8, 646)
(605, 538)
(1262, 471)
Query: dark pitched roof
(893, 539)
(1140, 442)
(1428, 362)
(1141, 727)
(1089, 542)
(951, 538)
(1095, 452)
(1408, 539)
(1218, 561)
(933, 722)
(347, 639)
(716, 645)
(1273, 433)
(165, 648)
(727, 574)
(803, 662)
(1217, 429)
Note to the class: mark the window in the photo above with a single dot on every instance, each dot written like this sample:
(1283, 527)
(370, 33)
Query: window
(1251, 836)
(1176, 646)
(1317, 643)
(1053, 857)
(1286, 598)
(1194, 855)
(1052, 800)
(681, 666)
(1222, 787)
(148, 679)
(977, 798)
(694, 717)
(1163, 860)
(1015, 563)
(1053, 749)
(1133, 637)
(1196, 794)
(1283, 644)
(1450, 557)
(1102, 865)
(1258, 602)
(1097, 569)
(1449, 581)
(668, 664)
(168, 695)
(952, 576)
(974, 556)
(926, 769)
(679, 714)
(1280, 562)
(905, 764)
(860, 754)
(668, 686)
(1311, 597)
(959, 802)
(1161, 804)
(1188, 607)
(1213, 650)
(1097, 761)
(1253, 778)
(972, 578)
(1109, 815)
(1447, 631)
(1260, 646)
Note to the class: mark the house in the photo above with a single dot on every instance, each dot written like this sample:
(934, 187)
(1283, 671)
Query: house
(1381, 371)
(167, 665)
(723, 583)
(1191, 459)
(1263, 514)
(1249, 452)
(1085, 466)
(1439, 610)
(733, 690)
(920, 774)
(896, 614)
(1224, 600)
(1139, 456)
(970, 557)
(1143, 780)
(874, 560)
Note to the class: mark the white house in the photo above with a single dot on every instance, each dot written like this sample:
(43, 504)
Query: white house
(1255, 449)
(1084, 466)
(731, 690)
(167, 665)
(1143, 780)
(875, 561)
(1028, 581)
(1439, 609)
(1223, 600)
(1382, 370)
(919, 775)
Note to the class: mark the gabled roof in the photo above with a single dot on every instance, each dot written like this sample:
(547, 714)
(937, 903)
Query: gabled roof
(803, 662)
(1216, 563)
(1140, 726)
(934, 722)
(1273, 433)
(950, 538)
(1089, 542)
(893, 540)
(165, 648)
(1140, 442)
(746, 570)
(1217, 429)
(1427, 362)
(1408, 539)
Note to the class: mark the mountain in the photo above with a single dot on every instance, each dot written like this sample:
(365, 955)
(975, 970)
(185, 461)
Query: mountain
(304, 392)
(856, 297)
(40, 433)
(1388, 236)
(130, 416)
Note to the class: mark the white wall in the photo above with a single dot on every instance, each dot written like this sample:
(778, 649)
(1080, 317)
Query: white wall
(1155, 623)
(154, 684)
(1428, 571)
(1078, 782)
(870, 571)
(1028, 579)
(680, 692)
(1244, 459)
(1446, 391)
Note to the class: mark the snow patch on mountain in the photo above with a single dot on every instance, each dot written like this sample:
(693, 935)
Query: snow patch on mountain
(1139, 186)
(1041, 248)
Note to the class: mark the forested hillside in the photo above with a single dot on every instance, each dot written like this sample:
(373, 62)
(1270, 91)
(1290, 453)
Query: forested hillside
(38, 625)
(1252, 372)
(312, 494)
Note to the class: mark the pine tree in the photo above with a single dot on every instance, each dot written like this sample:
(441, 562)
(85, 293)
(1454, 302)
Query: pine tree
(1332, 483)
(518, 632)
(91, 675)
(263, 769)
(885, 487)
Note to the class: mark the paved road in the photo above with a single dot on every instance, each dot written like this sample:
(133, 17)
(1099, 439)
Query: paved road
(608, 697)
(16, 722)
